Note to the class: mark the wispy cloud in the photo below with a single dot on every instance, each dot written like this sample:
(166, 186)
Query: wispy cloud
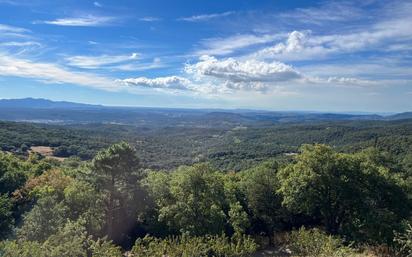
(9, 33)
(206, 17)
(155, 64)
(52, 73)
(8, 28)
(228, 45)
(20, 44)
(150, 19)
(97, 4)
(17, 2)
(95, 62)
(305, 45)
(84, 21)
(332, 11)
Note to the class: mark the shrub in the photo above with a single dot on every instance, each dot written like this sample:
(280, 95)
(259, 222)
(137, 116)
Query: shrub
(404, 241)
(315, 243)
(70, 241)
(186, 246)
(21, 249)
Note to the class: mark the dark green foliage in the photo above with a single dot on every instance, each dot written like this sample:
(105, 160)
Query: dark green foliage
(218, 246)
(260, 186)
(13, 173)
(190, 200)
(116, 175)
(230, 147)
(353, 194)
(6, 218)
(71, 241)
(46, 218)
(256, 182)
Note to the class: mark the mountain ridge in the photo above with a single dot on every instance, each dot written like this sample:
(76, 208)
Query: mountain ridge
(42, 110)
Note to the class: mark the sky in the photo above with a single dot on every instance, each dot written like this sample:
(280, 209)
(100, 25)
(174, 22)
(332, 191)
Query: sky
(335, 56)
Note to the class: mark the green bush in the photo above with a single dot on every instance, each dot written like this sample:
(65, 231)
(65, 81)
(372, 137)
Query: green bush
(316, 243)
(185, 246)
(70, 241)
(21, 249)
(404, 241)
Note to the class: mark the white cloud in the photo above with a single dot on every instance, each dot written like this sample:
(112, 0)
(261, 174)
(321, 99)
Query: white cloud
(155, 64)
(51, 73)
(332, 11)
(223, 46)
(252, 75)
(206, 17)
(97, 4)
(94, 62)
(8, 28)
(342, 81)
(228, 75)
(242, 71)
(85, 21)
(171, 82)
(7, 32)
(295, 42)
(20, 44)
(299, 45)
(149, 19)
(380, 36)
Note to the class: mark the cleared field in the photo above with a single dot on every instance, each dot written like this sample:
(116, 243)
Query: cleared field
(45, 151)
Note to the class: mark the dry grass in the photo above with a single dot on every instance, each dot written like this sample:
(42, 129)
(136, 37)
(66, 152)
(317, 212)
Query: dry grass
(45, 151)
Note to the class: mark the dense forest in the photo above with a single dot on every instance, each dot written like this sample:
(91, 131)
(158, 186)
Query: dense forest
(310, 189)
(232, 148)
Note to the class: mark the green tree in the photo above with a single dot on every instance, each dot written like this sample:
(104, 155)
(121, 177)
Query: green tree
(116, 173)
(6, 215)
(191, 200)
(12, 173)
(350, 193)
(85, 203)
(44, 220)
(260, 185)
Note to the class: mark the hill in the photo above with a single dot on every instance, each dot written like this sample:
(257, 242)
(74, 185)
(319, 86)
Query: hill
(39, 103)
(46, 111)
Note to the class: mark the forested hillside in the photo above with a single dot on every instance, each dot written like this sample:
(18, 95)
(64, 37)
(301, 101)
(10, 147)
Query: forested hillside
(232, 148)
(325, 188)
(111, 206)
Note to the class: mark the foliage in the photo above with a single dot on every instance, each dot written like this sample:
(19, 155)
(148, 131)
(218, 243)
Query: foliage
(100, 208)
(404, 241)
(185, 246)
(191, 199)
(260, 185)
(104, 248)
(315, 243)
(6, 216)
(351, 194)
(85, 203)
(228, 147)
(116, 175)
(21, 249)
(46, 218)
(12, 173)
(71, 241)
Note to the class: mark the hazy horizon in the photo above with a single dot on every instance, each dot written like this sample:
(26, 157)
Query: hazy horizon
(206, 108)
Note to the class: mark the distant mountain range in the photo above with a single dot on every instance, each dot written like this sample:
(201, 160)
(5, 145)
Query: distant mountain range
(39, 103)
(60, 112)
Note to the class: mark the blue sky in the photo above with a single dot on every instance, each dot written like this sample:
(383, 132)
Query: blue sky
(277, 55)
